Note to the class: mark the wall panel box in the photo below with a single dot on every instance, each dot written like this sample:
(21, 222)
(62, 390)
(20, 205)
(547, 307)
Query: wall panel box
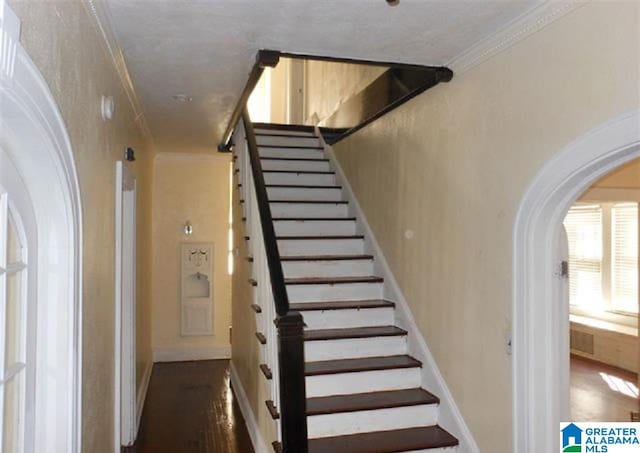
(196, 293)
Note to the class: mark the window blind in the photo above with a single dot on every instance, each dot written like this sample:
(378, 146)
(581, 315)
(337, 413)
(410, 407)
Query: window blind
(624, 250)
(583, 224)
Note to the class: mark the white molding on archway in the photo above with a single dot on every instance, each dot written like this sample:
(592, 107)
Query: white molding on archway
(540, 324)
(34, 135)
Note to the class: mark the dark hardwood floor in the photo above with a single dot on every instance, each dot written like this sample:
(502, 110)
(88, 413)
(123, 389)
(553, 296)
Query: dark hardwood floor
(601, 393)
(191, 409)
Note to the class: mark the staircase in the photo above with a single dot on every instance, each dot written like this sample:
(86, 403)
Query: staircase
(363, 389)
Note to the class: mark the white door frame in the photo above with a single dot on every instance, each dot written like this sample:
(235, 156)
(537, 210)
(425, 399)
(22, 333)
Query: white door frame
(540, 322)
(125, 419)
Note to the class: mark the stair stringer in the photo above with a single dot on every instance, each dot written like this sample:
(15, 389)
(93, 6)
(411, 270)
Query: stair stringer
(449, 416)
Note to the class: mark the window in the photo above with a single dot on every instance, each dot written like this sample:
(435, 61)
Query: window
(603, 257)
(13, 329)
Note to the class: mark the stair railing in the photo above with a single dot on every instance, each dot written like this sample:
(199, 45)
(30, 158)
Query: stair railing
(283, 351)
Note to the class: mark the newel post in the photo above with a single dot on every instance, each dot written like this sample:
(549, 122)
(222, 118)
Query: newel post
(293, 398)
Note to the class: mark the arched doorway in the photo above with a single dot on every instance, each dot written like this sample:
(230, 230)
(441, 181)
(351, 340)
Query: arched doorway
(540, 324)
(36, 146)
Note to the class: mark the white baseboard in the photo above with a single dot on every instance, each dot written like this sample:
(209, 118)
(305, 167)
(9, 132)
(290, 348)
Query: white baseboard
(259, 445)
(185, 354)
(141, 397)
(450, 417)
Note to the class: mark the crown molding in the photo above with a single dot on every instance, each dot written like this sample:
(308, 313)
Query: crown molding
(100, 14)
(9, 40)
(525, 25)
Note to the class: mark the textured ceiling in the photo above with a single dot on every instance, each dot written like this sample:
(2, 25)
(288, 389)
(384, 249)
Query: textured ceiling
(206, 48)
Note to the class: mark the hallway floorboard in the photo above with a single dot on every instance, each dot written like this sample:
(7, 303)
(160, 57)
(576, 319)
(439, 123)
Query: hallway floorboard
(191, 409)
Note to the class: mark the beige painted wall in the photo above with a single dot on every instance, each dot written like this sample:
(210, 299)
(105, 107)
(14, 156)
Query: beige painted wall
(245, 349)
(456, 161)
(62, 41)
(195, 188)
(328, 85)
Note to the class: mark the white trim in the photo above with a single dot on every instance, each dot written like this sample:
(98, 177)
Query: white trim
(449, 416)
(259, 445)
(9, 40)
(141, 397)
(117, 334)
(99, 12)
(125, 426)
(517, 30)
(187, 353)
(170, 156)
(34, 134)
(540, 321)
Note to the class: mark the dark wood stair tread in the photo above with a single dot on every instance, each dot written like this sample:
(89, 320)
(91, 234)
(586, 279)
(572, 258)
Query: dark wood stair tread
(290, 146)
(300, 172)
(354, 236)
(310, 201)
(314, 219)
(312, 159)
(299, 186)
(360, 364)
(326, 257)
(354, 332)
(273, 410)
(341, 305)
(369, 401)
(410, 439)
(261, 338)
(332, 280)
(266, 371)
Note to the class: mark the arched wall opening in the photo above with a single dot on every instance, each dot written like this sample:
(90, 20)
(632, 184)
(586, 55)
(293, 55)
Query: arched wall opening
(540, 324)
(34, 136)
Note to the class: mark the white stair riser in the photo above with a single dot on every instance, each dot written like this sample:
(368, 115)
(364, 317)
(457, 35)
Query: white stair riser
(283, 132)
(295, 153)
(287, 141)
(299, 247)
(344, 319)
(334, 268)
(325, 293)
(308, 210)
(353, 348)
(346, 423)
(300, 193)
(309, 179)
(315, 228)
(295, 165)
(362, 382)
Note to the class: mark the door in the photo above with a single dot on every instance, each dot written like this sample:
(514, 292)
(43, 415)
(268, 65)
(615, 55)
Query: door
(126, 419)
(18, 260)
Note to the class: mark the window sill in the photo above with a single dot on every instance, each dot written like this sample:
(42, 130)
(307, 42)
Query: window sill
(604, 325)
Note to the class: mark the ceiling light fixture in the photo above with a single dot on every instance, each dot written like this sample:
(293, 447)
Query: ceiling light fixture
(182, 98)
(393, 2)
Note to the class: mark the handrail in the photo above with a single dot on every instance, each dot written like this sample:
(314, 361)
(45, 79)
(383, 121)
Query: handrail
(290, 325)
(280, 296)
(264, 59)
